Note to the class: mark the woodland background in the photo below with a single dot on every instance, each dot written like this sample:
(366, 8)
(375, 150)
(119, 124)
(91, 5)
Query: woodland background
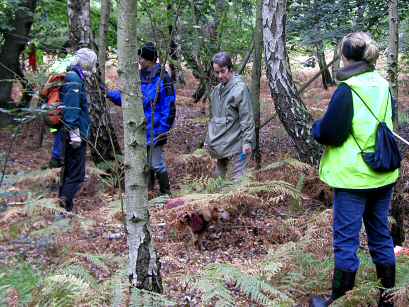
(267, 241)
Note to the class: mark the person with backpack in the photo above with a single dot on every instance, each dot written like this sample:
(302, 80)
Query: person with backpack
(231, 130)
(164, 106)
(76, 124)
(359, 110)
(51, 93)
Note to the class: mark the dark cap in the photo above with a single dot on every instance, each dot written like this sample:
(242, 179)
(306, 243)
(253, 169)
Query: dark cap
(148, 52)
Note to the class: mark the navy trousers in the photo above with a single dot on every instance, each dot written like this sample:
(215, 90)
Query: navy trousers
(350, 208)
(57, 150)
(73, 173)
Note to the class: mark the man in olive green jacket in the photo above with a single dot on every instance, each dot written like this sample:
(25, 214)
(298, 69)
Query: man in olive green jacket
(231, 130)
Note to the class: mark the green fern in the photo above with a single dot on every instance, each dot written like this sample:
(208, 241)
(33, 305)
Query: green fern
(80, 272)
(24, 278)
(63, 290)
(212, 283)
(143, 298)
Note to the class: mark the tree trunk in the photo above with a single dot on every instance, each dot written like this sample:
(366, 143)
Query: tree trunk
(104, 142)
(255, 78)
(176, 71)
(335, 67)
(325, 74)
(14, 43)
(103, 138)
(103, 31)
(144, 265)
(393, 48)
(288, 104)
(80, 23)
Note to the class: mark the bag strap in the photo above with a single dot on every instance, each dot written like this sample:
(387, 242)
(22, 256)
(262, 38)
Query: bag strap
(369, 109)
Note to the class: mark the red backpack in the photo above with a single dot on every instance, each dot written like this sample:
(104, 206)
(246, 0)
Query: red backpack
(52, 93)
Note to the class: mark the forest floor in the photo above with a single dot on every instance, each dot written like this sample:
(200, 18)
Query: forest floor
(252, 229)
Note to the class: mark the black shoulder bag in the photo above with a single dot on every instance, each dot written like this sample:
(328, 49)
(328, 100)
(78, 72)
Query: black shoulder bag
(386, 157)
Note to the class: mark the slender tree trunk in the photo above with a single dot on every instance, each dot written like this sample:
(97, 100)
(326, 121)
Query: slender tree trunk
(14, 43)
(104, 142)
(80, 23)
(392, 69)
(144, 265)
(255, 77)
(175, 52)
(335, 67)
(325, 74)
(288, 104)
(103, 32)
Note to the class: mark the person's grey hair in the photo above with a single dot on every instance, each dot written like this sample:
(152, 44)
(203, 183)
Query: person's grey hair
(360, 46)
(86, 58)
(222, 59)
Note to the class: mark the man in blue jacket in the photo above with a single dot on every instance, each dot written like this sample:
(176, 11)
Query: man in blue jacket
(164, 115)
(76, 123)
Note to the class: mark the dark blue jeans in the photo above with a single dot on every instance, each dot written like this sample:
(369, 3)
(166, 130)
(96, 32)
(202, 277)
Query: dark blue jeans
(350, 208)
(73, 172)
(57, 150)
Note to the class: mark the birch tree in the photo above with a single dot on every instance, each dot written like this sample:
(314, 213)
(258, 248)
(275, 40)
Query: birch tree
(144, 265)
(290, 109)
(103, 140)
(103, 31)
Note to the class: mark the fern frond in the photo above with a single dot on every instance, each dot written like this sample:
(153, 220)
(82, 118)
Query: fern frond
(97, 260)
(23, 278)
(147, 299)
(80, 272)
(212, 283)
(63, 290)
(297, 164)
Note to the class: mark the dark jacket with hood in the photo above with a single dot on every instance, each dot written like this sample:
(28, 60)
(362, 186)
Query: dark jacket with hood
(165, 108)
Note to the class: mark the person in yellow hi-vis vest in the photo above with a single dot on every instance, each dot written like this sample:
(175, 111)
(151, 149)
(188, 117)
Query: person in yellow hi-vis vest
(360, 193)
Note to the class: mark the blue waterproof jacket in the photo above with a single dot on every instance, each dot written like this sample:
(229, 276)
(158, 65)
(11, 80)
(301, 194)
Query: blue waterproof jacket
(74, 100)
(165, 109)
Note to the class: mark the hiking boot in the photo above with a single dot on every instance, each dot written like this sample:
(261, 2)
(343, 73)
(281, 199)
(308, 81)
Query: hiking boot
(164, 186)
(342, 282)
(386, 273)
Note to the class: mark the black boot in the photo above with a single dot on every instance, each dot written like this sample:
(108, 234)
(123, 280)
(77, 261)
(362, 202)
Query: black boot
(386, 273)
(164, 186)
(342, 282)
(151, 180)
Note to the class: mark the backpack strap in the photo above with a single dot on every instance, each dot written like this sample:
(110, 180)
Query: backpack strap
(369, 109)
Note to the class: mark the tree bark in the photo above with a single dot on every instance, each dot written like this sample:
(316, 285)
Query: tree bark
(144, 265)
(103, 32)
(103, 138)
(14, 43)
(104, 142)
(255, 78)
(80, 23)
(175, 52)
(325, 74)
(393, 47)
(335, 67)
(288, 104)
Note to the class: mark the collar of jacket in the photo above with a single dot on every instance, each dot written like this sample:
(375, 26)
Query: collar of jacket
(148, 74)
(354, 69)
(78, 70)
(232, 82)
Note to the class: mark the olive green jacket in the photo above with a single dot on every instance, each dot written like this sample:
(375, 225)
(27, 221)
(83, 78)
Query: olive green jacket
(232, 120)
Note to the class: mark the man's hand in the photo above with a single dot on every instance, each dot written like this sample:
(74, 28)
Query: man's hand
(75, 139)
(247, 149)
